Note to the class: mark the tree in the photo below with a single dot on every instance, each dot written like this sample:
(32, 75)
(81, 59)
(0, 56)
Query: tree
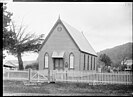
(34, 66)
(23, 42)
(122, 67)
(104, 58)
(16, 39)
(124, 59)
(7, 33)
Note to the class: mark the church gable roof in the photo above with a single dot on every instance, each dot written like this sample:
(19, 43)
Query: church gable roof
(77, 36)
(80, 39)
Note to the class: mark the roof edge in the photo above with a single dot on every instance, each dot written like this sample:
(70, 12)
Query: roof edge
(46, 38)
(88, 53)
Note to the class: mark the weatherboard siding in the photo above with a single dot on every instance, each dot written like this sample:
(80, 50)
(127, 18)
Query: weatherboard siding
(86, 59)
(81, 61)
(63, 41)
(91, 64)
(59, 41)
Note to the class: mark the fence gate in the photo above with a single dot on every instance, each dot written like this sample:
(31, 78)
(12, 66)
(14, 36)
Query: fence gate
(38, 76)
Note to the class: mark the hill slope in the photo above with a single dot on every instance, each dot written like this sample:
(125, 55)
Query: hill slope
(117, 53)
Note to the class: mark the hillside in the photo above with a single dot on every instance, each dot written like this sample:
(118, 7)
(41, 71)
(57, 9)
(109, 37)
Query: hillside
(117, 53)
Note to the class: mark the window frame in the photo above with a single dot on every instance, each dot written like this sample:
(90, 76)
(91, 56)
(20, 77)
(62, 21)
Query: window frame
(46, 54)
(70, 60)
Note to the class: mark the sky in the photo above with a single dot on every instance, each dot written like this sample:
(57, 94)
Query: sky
(104, 24)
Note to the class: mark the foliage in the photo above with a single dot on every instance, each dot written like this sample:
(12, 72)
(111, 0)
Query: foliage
(34, 66)
(7, 33)
(104, 62)
(118, 53)
(23, 42)
(122, 67)
(17, 39)
(6, 16)
(104, 58)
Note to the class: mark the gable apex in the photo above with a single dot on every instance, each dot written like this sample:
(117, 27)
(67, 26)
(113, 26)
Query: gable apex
(77, 36)
(57, 22)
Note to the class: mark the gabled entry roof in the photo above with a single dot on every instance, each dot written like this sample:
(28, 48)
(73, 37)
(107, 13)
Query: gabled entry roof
(77, 36)
(58, 54)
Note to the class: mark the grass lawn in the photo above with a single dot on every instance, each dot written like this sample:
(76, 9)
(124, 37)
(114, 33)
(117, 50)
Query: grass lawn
(60, 88)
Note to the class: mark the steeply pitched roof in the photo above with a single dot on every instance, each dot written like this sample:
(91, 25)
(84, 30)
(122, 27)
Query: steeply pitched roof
(77, 36)
(80, 39)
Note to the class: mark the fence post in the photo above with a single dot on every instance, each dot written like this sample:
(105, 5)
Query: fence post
(126, 79)
(48, 74)
(37, 76)
(29, 74)
(66, 75)
(54, 75)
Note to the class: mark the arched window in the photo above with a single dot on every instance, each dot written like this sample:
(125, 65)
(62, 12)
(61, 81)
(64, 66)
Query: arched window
(46, 60)
(71, 61)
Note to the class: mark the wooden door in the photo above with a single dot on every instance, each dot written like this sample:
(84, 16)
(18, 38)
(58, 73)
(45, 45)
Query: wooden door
(61, 64)
(58, 64)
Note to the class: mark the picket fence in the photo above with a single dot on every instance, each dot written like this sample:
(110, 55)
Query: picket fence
(68, 76)
(93, 77)
(30, 75)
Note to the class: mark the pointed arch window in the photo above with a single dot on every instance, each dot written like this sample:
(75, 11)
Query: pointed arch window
(46, 60)
(71, 59)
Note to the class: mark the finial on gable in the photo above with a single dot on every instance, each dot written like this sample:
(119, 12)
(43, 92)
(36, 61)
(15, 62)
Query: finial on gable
(59, 16)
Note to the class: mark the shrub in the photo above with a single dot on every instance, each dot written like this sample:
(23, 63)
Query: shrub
(34, 66)
(122, 67)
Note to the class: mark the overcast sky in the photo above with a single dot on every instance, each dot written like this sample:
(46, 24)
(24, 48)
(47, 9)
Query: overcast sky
(105, 25)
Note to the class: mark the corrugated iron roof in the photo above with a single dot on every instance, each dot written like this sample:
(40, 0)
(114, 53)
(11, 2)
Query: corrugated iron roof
(80, 39)
(77, 36)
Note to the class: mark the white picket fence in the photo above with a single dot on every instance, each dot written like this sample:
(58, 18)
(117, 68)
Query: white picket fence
(31, 75)
(82, 76)
(68, 76)
(15, 75)
(38, 76)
